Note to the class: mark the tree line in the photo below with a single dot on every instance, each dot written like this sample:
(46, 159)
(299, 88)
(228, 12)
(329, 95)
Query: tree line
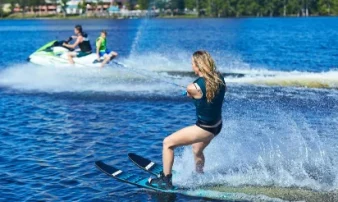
(237, 8)
(220, 8)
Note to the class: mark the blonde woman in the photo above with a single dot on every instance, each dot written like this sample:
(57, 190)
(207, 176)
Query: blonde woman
(208, 94)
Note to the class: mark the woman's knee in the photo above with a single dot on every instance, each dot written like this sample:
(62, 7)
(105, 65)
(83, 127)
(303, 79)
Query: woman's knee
(197, 150)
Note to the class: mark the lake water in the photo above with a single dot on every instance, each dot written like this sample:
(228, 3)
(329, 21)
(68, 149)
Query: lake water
(280, 115)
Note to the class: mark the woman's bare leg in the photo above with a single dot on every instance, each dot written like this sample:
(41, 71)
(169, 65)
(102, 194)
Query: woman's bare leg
(185, 136)
(70, 57)
(197, 149)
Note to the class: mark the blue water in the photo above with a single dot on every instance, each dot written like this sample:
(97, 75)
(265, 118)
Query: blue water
(280, 118)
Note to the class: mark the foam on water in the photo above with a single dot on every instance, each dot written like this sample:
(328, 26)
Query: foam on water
(160, 62)
(232, 196)
(286, 151)
(295, 78)
(141, 70)
(69, 79)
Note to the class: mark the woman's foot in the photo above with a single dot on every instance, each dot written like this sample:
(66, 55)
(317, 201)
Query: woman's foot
(162, 181)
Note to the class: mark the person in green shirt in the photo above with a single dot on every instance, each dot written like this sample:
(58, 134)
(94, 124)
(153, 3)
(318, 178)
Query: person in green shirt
(101, 49)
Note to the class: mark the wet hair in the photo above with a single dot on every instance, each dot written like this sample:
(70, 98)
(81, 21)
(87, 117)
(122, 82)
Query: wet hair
(207, 66)
(79, 28)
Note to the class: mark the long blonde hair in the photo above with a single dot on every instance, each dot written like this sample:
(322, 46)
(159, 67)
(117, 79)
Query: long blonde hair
(207, 67)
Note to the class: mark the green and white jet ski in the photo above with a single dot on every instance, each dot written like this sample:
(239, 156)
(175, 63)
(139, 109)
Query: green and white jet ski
(55, 55)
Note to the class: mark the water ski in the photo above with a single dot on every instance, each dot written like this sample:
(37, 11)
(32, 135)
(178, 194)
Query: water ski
(151, 167)
(131, 178)
(146, 164)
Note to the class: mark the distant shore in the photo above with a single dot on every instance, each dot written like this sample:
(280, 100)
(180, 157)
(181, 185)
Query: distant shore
(84, 16)
(61, 16)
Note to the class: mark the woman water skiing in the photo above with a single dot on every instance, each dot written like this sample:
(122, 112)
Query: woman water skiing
(208, 94)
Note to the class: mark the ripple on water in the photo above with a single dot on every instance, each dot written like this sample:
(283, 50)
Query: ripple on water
(49, 146)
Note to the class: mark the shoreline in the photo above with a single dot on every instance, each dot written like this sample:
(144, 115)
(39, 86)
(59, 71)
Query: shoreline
(79, 17)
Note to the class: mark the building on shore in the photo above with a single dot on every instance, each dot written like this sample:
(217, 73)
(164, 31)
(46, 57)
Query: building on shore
(81, 6)
(72, 7)
(6, 8)
(86, 8)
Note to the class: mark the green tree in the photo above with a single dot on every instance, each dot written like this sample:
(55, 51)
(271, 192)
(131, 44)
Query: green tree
(273, 7)
(12, 2)
(335, 7)
(190, 4)
(160, 4)
(202, 5)
(324, 7)
(294, 7)
(131, 4)
(82, 6)
(252, 8)
(23, 4)
(143, 4)
(312, 6)
(63, 4)
(217, 8)
(178, 4)
(1, 11)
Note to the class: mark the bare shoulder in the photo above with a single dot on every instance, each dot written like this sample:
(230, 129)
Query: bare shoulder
(80, 38)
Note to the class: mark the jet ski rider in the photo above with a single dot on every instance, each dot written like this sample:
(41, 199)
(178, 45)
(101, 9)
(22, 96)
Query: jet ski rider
(82, 41)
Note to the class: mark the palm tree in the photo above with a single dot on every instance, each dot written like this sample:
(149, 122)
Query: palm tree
(12, 2)
(82, 6)
(63, 4)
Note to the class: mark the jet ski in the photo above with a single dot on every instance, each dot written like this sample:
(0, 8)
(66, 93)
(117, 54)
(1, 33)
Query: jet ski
(55, 54)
